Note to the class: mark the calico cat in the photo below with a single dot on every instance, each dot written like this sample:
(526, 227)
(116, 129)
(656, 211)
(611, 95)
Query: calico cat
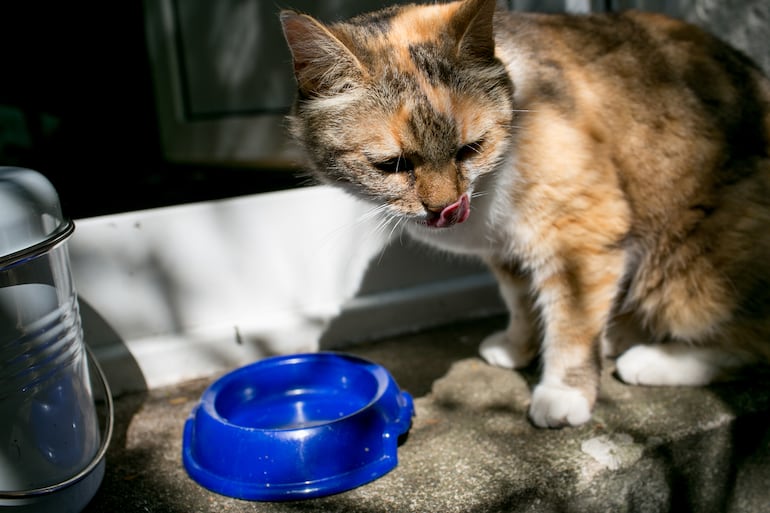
(613, 171)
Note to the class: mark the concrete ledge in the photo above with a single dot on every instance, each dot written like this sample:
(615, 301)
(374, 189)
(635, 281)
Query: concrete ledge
(645, 450)
(471, 448)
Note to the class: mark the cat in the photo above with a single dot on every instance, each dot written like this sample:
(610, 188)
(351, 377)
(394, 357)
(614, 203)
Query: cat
(611, 169)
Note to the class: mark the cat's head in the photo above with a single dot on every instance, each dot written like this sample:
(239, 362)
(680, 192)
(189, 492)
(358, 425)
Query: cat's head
(407, 107)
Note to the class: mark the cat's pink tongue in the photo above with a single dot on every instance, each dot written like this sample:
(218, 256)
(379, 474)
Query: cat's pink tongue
(453, 214)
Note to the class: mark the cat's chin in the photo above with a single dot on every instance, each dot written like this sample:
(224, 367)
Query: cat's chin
(451, 215)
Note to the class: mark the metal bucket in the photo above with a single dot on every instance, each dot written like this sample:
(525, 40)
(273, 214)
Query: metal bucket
(51, 446)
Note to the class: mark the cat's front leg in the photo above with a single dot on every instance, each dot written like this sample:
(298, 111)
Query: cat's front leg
(575, 305)
(517, 345)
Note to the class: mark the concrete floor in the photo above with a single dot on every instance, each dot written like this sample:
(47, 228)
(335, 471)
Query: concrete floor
(471, 449)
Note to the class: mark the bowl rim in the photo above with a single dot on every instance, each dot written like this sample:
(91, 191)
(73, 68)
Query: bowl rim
(208, 400)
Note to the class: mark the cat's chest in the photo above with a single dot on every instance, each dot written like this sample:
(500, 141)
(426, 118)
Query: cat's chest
(476, 236)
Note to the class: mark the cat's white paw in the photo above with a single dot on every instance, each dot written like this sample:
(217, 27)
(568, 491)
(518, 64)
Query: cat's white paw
(558, 406)
(498, 350)
(671, 365)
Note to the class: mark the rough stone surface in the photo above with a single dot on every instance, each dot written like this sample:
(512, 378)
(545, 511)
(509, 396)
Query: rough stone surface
(471, 449)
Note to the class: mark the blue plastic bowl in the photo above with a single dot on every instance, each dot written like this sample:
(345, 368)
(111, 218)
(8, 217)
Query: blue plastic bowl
(296, 427)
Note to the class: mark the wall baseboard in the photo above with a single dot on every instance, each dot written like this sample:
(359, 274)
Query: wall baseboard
(167, 359)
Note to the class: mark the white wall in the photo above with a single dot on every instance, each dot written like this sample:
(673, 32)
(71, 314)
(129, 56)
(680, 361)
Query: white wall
(182, 292)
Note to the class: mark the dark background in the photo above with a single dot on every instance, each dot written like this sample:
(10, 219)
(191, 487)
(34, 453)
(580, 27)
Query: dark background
(78, 74)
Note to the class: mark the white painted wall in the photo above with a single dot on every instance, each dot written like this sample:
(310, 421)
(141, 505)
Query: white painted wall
(187, 291)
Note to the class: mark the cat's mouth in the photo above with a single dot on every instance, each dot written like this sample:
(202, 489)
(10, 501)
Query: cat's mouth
(451, 215)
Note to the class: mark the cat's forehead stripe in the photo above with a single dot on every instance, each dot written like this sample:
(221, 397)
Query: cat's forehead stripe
(395, 30)
(414, 24)
(435, 67)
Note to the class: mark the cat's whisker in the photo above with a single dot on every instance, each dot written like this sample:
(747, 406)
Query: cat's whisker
(387, 224)
(373, 213)
(396, 226)
(383, 222)
(369, 233)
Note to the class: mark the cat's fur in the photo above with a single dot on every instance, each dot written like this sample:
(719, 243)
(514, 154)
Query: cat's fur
(612, 170)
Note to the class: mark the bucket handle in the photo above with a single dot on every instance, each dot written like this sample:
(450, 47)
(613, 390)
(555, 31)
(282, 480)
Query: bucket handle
(97, 457)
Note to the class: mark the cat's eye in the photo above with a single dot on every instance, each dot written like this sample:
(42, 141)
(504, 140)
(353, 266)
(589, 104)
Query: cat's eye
(467, 151)
(398, 164)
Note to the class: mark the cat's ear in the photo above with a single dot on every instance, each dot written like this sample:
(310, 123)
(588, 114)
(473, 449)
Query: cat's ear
(472, 26)
(321, 60)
